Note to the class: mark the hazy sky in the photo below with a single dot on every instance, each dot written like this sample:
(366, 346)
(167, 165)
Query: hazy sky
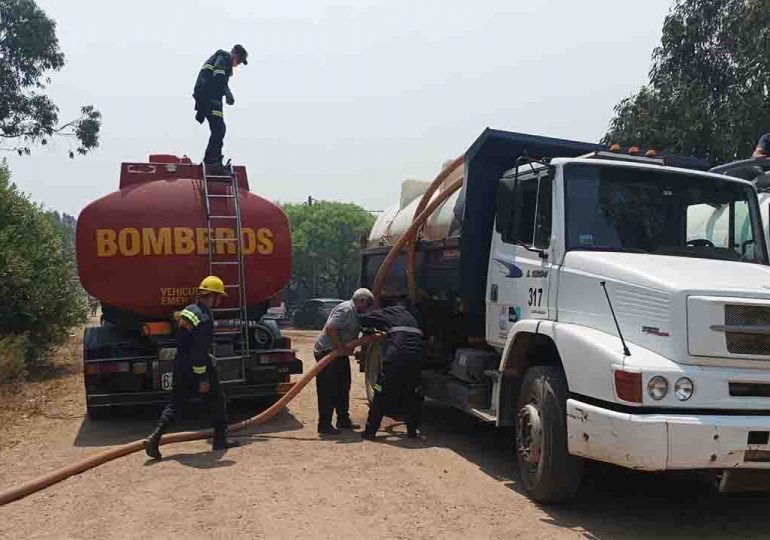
(340, 100)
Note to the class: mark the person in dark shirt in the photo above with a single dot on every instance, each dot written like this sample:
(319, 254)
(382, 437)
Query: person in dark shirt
(397, 388)
(194, 373)
(210, 87)
(763, 146)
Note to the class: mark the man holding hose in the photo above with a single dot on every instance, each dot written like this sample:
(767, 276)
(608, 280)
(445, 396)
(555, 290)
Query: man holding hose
(333, 383)
(397, 389)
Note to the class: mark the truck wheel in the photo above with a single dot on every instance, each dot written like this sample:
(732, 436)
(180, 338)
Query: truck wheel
(373, 365)
(548, 472)
(98, 413)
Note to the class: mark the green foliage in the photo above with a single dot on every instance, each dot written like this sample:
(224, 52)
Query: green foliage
(13, 352)
(40, 296)
(68, 224)
(326, 248)
(709, 88)
(28, 49)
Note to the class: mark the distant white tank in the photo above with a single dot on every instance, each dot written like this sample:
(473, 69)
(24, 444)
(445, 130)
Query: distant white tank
(396, 219)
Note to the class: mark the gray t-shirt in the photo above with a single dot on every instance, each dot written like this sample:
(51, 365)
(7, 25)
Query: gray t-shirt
(344, 318)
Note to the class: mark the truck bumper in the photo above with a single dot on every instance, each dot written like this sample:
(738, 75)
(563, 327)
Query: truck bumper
(657, 442)
(232, 391)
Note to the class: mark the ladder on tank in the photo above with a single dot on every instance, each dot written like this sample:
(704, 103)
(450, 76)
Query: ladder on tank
(223, 210)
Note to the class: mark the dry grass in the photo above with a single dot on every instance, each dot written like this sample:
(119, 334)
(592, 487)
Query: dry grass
(53, 389)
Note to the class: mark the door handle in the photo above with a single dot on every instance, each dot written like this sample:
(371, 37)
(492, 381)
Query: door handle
(493, 293)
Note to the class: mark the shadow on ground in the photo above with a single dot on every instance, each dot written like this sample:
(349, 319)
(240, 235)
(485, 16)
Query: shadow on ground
(195, 460)
(130, 424)
(613, 502)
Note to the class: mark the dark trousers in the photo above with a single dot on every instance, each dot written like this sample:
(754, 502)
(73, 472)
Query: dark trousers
(333, 386)
(184, 391)
(218, 129)
(398, 393)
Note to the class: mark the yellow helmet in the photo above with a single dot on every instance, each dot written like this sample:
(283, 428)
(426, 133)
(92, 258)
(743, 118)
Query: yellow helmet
(212, 284)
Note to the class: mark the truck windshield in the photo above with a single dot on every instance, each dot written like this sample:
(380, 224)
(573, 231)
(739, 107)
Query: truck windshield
(612, 208)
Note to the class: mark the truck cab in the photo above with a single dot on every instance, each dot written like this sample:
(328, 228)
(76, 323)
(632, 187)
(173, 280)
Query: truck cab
(625, 316)
(656, 327)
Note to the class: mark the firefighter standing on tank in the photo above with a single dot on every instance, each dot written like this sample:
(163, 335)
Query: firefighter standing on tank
(398, 386)
(194, 373)
(210, 87)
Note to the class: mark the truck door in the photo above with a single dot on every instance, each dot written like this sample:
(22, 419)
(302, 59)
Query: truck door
(519, 267)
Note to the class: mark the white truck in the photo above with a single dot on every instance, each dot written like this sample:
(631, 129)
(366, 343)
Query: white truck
(584, 297)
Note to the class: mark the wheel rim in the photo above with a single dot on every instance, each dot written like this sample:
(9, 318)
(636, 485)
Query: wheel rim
(529, 436)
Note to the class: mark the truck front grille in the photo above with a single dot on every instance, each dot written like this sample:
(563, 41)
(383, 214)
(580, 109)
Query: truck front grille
(747, 316)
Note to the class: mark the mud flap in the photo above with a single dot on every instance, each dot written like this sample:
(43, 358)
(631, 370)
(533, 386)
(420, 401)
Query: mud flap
(736, 480)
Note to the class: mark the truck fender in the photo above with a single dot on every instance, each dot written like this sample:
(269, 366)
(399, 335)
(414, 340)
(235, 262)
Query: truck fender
(524, 338)
(520, 331)
(589, 357)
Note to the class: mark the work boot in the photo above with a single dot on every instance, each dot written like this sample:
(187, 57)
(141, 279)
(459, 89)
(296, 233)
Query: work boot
(221, 442)
(152, 443)
(346, 423)
(369, 436)
(328, 430)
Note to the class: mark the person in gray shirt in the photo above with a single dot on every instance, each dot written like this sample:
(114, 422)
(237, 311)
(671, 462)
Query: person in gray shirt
(333, 383)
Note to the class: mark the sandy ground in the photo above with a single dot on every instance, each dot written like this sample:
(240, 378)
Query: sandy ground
(286, 482)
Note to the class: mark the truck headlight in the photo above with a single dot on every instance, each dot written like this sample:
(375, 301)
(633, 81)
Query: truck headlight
(683, 389)
(657, 388)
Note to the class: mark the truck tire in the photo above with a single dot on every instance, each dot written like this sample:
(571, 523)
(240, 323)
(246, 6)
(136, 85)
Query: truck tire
(372, 367)
(547, 471)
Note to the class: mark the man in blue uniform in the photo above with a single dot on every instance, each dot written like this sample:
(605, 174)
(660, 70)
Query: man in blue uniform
(210, 87)
(397, 387)
(194, 373)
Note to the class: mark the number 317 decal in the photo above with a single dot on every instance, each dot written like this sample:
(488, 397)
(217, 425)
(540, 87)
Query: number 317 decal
(535, 297)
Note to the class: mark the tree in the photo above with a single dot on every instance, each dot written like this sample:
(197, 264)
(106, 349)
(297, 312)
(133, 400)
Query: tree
(68, 225)
(709, 85)
(28, 50)
(41, 296)
(326, 248)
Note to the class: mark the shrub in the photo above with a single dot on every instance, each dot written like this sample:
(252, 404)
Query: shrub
(40, 296)
(13, 353)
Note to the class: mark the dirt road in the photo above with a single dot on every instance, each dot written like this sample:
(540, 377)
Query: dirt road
(285, 482)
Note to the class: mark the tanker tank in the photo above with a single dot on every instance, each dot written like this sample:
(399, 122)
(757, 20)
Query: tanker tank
(438, 255)
(144, 248)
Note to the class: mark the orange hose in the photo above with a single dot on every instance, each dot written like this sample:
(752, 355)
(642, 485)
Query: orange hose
(416, 223)
(104, 456)
(411, 256)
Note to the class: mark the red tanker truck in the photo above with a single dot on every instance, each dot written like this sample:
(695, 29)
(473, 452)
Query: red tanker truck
(142, 250)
